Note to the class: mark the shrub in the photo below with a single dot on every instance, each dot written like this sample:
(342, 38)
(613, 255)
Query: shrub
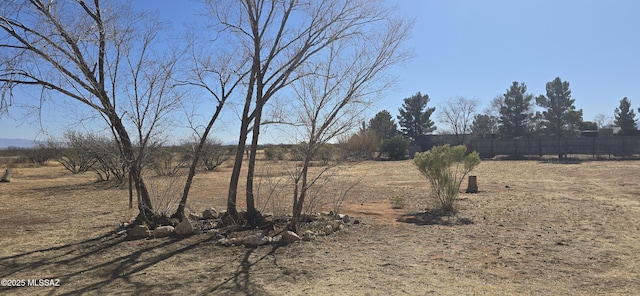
(299, 151)
(76, 156)
(274, 153)
(398, 201)
(395, 148)
(167, 162)
(325, 153)
(213, 154)
(445, 167)
(109, 159)
(43, 152)
(360, 145)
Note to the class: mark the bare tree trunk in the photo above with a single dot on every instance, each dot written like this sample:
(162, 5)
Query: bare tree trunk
(253, 216)
(298, 201)
(145, 208)
(232, 209)
(179, 214)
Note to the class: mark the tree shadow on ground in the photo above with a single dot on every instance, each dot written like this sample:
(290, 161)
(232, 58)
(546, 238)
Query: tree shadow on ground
(242, 277)
(93, 265)
(434, 217)
(81, 187)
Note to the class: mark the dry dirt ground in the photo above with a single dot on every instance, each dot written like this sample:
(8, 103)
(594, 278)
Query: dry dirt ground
(535, 228)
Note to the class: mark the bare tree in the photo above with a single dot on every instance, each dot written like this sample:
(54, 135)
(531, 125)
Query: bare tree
(457, 115)
(603, 120)
(99, 56)
(332, 93)
(494, 106)
(76, 154)
(218, 73)
(280, 36)
(109, 160)
(43, 152)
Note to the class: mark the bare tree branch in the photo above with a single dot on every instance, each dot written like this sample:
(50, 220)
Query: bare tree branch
(98, 56)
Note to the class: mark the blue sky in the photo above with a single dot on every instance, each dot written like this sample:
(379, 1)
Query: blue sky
(476, 49)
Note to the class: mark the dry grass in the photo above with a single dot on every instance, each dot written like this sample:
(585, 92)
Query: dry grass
(537, 229)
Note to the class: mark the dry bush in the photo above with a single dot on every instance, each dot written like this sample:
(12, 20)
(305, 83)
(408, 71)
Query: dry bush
(42, 153)
(167, 162)
(213, 154)
(273, 153)
(271, 193)
(110, 162)
(343, 185)
(317, 197)
(14, 158)
(76, 154)
(398, 201)
(359, 146)
(165, 193)
(330, 191)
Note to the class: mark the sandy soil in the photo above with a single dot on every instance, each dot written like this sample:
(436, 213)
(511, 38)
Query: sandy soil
(535, 228)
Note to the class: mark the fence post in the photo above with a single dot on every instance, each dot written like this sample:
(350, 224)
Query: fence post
(472, 185)
(492, 153)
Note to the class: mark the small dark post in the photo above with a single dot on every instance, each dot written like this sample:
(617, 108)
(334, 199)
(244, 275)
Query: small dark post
(5, 177)
(472, 186)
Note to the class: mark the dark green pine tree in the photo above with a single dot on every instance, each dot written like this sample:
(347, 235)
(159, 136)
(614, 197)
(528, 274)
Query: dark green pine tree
(484, 125)
(383, 125)
(415, 118)
(561, 118)
(515, 111)
(625, 118)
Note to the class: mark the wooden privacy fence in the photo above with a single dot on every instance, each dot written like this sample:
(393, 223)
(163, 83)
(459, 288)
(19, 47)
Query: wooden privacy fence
(596, 146)
(539, 146)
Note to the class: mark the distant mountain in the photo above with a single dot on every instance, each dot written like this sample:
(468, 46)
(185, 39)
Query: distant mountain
(21, 143)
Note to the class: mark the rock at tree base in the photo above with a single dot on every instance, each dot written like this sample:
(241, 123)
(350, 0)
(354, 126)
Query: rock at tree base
(328, 229)
(163, 231)
(309, 235)
(346, 219)
(184, 228)
(194, 216)
(210, 213)
(290, 237)
(336, 225)
(138, 232)
(256, 240)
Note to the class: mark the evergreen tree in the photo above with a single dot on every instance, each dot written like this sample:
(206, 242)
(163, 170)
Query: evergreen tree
(414, 116)
(484, 125)
(515, 111)
(625, 118)
(383, 125)
(561, 117)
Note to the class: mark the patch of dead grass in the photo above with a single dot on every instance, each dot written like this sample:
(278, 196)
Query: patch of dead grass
(538, 228)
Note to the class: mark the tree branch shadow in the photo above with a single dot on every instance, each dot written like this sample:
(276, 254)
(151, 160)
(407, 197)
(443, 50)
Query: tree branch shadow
(88, 256)
(434, 217)
(242, 277)
(93, 265)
